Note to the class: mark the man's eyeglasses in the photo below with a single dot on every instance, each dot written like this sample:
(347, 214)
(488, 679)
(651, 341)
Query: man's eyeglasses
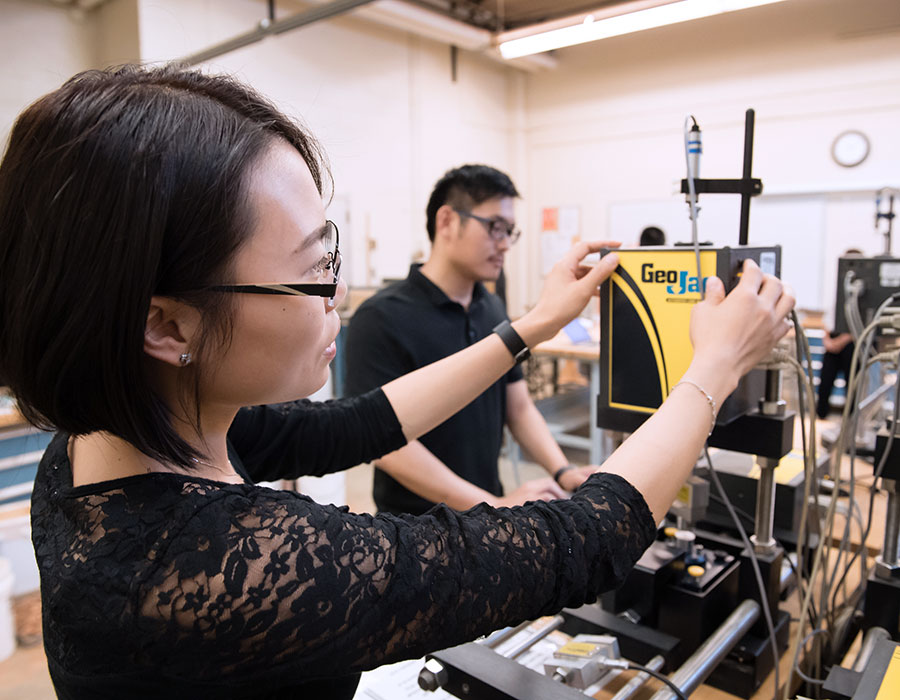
(498, 229)
(327, 270)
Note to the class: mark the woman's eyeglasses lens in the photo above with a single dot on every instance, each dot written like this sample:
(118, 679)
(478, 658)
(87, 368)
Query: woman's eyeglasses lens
(329, 271)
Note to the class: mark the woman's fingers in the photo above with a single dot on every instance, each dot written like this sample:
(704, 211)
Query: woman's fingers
(582, 249)
(599, 272)
(714, 290)
(771, 289)
(751, 276)
(786, 301)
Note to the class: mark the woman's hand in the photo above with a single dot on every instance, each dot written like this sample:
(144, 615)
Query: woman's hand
(567, 290)
(731, 334)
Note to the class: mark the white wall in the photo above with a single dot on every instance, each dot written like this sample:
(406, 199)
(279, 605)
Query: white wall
(382, 103)
(41, 46)
(604, 131)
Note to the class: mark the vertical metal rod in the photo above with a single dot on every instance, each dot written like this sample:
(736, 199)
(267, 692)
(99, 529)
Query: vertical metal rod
(892, 524)
(702, 662)
(772, 405)
(635, 684)
(773, 385)
(765, 505)
(749, 120)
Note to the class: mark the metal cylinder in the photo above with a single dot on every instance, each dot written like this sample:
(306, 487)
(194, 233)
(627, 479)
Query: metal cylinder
(498, 636)
(773, 384)
(517, 649)
(765, 506)
(870, 640)
(892, 524)
(632, 686)
(773, 404)
(702, 662)
(787, 572)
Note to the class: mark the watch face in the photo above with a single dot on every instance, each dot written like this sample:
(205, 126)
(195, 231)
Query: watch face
(850, 148)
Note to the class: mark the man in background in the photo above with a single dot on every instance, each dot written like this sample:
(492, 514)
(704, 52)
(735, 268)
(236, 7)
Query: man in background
(440, 308)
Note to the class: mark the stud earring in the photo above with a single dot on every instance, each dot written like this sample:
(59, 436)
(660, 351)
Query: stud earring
(185, 359)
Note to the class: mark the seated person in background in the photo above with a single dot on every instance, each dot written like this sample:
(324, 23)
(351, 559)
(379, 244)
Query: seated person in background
(652, 236)
(441, 308)
(837, 358)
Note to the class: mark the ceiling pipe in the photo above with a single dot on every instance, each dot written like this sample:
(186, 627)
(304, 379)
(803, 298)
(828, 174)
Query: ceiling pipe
(394, 14)
(268, 28)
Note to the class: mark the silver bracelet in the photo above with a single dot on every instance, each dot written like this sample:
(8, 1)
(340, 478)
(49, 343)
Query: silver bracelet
(709, 399)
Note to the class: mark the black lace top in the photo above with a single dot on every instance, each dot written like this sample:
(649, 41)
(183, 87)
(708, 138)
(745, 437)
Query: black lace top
(165, 585)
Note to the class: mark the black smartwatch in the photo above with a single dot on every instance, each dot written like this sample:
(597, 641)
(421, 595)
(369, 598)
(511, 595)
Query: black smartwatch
(557, 475)
(513, 341)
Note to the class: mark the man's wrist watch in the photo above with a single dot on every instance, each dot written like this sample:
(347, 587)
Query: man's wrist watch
(513, 341)
(557, 475)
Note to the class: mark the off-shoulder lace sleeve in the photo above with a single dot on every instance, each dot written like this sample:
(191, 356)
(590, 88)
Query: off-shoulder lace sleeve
(309, 438)
(258, 582)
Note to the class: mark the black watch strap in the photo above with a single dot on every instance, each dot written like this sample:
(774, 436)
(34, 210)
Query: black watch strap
(557, 475)
(513, 341)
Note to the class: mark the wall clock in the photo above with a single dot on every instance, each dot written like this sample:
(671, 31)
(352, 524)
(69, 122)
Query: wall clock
(850, 148)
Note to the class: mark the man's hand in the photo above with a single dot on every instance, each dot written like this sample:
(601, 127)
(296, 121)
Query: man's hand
(537, 490)
(574, 478)
(837, 344)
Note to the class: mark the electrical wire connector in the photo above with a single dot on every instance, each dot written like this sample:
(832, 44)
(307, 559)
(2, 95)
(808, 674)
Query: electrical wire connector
(581, 662)
(890, 319)
(780, 357)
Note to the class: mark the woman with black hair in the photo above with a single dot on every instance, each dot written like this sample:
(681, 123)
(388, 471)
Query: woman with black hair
(165, 263)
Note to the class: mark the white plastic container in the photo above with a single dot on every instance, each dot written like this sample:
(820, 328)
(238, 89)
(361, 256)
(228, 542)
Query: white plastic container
(7, 623)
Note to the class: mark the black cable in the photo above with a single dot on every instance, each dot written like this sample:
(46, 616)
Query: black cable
(660, 677)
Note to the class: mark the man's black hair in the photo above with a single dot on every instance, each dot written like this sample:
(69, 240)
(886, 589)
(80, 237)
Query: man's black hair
(465, 187)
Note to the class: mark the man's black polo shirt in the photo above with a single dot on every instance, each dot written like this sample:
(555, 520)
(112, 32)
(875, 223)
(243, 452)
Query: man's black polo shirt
(409, 325)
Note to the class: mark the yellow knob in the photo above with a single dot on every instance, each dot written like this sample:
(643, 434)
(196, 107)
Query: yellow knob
(670, 531)
(696, 570)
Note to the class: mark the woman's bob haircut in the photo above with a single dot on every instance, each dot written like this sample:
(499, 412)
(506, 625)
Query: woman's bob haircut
(120, 185)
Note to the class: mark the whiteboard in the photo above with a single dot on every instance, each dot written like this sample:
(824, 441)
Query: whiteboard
(795, 222)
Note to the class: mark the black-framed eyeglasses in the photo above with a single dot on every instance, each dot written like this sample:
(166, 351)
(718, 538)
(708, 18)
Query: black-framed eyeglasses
(328, 271)
(498, 229)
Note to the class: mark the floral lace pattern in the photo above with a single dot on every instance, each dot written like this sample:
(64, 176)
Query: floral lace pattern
(188, 581)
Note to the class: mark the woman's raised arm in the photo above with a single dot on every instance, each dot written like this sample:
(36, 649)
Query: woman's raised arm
(427, 397)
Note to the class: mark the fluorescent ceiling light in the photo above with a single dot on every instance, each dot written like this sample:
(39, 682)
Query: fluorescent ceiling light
(592, 30)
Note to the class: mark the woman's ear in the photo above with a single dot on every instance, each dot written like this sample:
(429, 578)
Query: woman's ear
(171, 327)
